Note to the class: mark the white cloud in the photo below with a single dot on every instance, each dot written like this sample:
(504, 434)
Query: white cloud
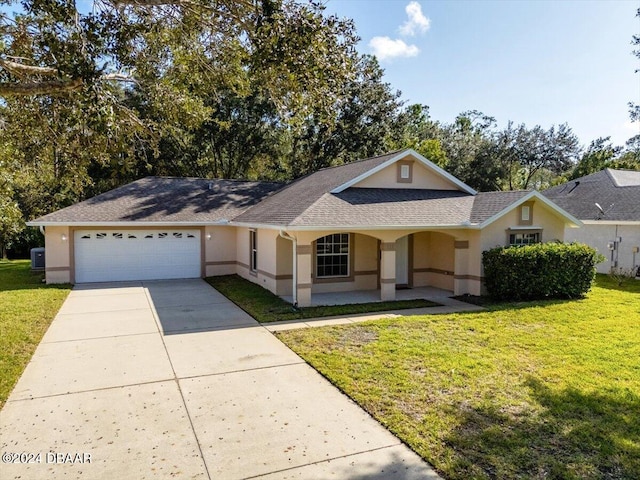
(417, 22)
(384, 48)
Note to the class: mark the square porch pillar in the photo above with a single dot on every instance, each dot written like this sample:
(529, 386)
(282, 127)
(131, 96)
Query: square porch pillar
(304, 269)
(387, 271)
(461, 268)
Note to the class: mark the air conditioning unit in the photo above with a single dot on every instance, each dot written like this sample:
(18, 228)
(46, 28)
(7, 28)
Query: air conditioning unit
(37, 258)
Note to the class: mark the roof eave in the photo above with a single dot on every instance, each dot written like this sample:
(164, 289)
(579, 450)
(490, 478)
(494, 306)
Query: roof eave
(611, 222)
(303, 228)
(128, 223)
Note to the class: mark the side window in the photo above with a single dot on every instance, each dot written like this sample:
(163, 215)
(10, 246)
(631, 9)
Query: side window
(253, 250)
(524, 238)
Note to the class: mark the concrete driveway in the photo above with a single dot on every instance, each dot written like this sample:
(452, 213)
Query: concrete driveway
(169, 379)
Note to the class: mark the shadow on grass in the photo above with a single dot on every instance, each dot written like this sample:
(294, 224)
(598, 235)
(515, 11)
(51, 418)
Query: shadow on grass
(17, 275)
(610, 283)
(571, 434)
(496, 305)
(266, 307)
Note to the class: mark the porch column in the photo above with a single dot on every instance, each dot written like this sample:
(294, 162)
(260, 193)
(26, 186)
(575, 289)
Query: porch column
(388, 271)
(461, 267)
(304, 267)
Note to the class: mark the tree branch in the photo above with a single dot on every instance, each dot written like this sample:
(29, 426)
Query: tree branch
(21, 69)
(152, 3)
(47, 87)
(118, 77)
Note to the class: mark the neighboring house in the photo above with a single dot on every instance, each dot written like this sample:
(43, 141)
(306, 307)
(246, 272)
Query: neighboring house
(608, 204)
(387, 222)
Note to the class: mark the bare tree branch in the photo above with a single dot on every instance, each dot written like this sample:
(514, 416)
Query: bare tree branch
(21, 69)
(118, 77)
(152, 3)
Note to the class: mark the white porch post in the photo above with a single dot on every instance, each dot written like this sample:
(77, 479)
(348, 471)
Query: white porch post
(304, 266)
(388, 271)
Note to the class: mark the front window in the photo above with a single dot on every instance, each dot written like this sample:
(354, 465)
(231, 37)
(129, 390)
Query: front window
(332, 256)
(524, 238)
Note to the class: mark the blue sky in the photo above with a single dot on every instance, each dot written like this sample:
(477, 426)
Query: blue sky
(533, 62)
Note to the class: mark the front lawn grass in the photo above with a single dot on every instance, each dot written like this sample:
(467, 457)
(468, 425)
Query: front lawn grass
(264, 306)
(27, 307)
(527, 390)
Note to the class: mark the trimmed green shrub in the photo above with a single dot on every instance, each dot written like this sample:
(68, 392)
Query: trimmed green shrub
(539, 271)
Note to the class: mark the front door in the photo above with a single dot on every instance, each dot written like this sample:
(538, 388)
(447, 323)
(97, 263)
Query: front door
(402, 262)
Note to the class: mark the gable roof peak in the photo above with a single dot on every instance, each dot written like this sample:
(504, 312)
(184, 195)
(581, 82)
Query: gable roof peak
(399, 155)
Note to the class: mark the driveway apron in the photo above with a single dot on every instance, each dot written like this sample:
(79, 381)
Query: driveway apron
(169, 379)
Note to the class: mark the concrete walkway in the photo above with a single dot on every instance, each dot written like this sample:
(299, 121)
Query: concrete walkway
(171, 380)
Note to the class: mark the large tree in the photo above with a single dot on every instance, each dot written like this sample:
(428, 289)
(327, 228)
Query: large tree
(96, 96)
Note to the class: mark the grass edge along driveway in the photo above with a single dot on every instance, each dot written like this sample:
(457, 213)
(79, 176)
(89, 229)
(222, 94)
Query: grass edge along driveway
(266, 307)
(529, 390)
(27, 307)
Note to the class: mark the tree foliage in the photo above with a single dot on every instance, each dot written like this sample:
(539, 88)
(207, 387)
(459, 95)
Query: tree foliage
(634, 108)
(11, 218)
(97, 96)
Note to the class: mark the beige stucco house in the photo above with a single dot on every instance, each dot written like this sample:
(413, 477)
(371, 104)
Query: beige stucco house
(392, 221)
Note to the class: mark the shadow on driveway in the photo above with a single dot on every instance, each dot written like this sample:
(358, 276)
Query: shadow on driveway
(184, 306)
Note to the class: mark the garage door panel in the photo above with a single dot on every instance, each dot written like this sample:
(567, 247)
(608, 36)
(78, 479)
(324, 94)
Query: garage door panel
(136, 255)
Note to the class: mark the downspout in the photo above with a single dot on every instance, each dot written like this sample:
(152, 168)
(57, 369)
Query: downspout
(294, 240)
(41, 229)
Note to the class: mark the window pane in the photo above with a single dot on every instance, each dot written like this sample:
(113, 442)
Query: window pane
(332, 255)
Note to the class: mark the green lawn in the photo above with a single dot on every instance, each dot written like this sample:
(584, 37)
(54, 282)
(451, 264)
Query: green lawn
(27, 307)
(264, 306)
(527, 390)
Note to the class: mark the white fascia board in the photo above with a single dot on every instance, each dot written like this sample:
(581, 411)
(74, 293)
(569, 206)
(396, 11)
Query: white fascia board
(611, 222)
(404, 153)
(349, 228)
(573, 221)
(127, 224)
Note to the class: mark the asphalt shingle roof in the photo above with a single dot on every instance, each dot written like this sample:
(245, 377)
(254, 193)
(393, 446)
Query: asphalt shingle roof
(488, 204)
(306, 202)
(167, 199)
(294, 199)
(616, 191)
(388, 207)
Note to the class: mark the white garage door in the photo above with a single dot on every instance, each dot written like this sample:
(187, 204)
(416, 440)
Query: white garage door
(115, 255)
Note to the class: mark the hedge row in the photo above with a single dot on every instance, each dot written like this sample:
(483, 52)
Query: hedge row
(543, 270)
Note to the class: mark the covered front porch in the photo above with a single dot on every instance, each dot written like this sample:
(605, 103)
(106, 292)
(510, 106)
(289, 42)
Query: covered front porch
(337, 268)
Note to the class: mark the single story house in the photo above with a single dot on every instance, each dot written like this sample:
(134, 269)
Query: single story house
(391, 221)
(608, 204)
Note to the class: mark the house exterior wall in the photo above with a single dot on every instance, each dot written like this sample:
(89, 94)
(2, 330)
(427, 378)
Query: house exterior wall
(599, 235)
(220, 251)
(421, 178)
(433, 260)
(496, 234)
(284, 266)
(58, 254)
(266, 273)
